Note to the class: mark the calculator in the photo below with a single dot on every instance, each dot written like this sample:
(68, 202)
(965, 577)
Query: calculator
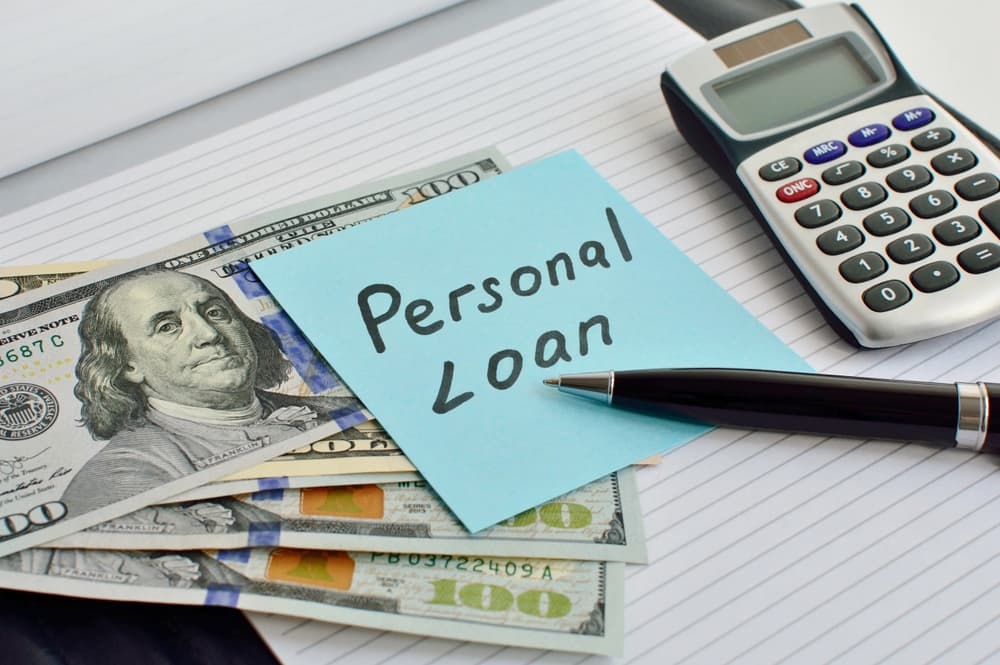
(884, 204)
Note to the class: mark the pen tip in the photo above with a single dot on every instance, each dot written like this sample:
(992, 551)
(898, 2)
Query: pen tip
(551, 381)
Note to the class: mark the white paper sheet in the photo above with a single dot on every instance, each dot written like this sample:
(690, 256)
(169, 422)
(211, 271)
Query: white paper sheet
(764, 548)
(77, 72)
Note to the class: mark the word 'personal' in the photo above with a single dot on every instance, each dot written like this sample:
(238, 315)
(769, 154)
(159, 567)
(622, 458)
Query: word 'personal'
(381, 303)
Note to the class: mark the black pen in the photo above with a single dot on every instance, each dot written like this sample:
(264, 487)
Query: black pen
(943, 414)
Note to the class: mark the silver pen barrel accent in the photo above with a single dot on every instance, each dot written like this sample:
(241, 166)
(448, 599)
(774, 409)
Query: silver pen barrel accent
(973, 416)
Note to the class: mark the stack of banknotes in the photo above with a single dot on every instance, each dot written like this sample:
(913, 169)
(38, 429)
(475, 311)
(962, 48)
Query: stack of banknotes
(167, 435)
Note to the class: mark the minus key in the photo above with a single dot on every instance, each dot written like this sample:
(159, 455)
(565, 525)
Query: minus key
(977, 186)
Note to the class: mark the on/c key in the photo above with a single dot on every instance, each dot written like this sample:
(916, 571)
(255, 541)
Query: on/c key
(797, 190)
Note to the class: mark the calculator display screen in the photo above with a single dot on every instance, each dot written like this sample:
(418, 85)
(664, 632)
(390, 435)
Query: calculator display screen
(797, 85)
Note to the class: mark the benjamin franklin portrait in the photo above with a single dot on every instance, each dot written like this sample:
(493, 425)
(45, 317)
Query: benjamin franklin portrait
(175, 377)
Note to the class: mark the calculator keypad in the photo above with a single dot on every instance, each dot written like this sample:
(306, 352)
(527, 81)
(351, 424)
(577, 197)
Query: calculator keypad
(901, 207)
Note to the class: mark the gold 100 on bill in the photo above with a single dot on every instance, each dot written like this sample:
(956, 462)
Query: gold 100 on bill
(125, 386)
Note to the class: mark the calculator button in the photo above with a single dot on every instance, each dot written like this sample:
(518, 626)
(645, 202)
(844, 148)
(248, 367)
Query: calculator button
(797, 190)
(863, 267)
(990, 213)
(933, 203)
(839, 240)
(862, 196)
(954, 161)
(910, 248)
(825, 152)
(932, 139)
(885, 222)
(980, 258)
(887, 295)
(957, 230)
(913, 118)
(868, 135)
(934, 276)
(978, 186)
(818, 213)
(845, 172)
(780, 168)
(888, 155)
(909, 178)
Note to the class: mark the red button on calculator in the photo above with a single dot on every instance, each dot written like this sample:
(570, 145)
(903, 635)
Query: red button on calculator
(797, 190)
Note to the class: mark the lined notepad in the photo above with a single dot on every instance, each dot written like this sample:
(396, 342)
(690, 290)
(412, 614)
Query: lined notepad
(764, 548)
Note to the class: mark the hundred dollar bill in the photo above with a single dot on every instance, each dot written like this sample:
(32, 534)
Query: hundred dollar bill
(127, 385)
(365, 448)
(20, 279)
(599, 521)
(552, 604)
(227, 488)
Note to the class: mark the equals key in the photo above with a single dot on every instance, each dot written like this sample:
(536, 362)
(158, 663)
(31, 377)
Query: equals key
(980, 258)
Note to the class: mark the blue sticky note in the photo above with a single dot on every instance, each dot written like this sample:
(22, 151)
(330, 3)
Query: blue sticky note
(445, 317)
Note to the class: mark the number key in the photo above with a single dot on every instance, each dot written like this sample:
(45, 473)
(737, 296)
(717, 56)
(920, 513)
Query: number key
(817, 214)
(910, 248)
(909, 178)
(888, 221)
(839, 240)
(933, 203)
(864, 266)
(887, 295)
(957, 230)
(863, 196)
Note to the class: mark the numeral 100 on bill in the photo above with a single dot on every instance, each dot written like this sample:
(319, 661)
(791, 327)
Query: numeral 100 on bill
(495, 598)
(557, 514)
